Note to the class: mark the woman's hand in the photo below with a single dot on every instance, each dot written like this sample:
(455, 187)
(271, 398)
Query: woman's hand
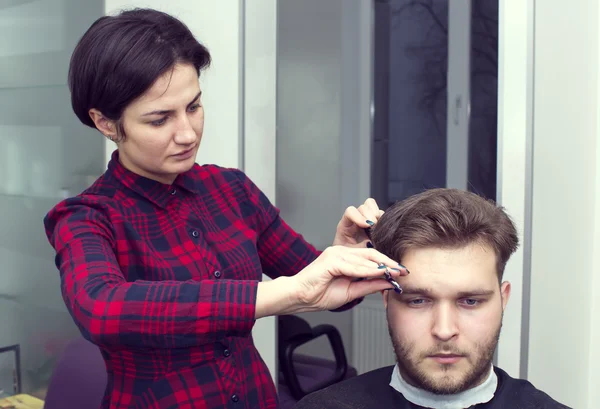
(331, 280)
(351, 228)
(338, 276)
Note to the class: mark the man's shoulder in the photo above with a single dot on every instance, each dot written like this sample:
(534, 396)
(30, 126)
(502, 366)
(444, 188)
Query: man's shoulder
(356, 392)
(526, 393)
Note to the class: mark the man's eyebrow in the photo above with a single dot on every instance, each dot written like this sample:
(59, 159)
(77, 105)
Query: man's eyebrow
(416, 291)
(170, 111)
(462, 294)
(475, 293)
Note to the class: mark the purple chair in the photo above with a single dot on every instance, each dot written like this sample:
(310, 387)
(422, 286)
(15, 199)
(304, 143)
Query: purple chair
(299, 374)
(79, 378)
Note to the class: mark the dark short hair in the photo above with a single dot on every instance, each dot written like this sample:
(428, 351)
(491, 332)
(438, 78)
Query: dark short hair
(445, 218)
(120, 57)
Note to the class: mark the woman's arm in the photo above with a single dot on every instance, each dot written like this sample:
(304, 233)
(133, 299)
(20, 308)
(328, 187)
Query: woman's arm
(155, 314)
(282, 251)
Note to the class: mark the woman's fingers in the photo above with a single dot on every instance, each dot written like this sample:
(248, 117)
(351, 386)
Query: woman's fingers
(353, 216)
(370, 210)
(396, 269)
(357, 262)
(358, 289)
(373, 207)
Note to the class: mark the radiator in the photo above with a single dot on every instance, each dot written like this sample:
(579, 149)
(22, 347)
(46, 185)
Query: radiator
(371, 345)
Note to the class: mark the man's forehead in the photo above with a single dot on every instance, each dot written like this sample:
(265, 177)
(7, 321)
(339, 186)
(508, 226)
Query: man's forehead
(463, 270)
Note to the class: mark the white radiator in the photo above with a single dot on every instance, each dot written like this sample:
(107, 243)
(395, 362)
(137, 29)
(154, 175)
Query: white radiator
(371, 345)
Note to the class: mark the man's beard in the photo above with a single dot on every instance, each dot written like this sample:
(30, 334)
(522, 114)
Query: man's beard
(480, 360)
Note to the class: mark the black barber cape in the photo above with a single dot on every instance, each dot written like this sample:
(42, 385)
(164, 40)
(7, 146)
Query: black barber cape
(372, 391)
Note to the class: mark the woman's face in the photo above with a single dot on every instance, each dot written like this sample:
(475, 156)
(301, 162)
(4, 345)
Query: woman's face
(163, 127)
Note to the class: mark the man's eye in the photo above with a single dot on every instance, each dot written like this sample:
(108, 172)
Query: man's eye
(417, 302)
(194, 108)
(471, 302)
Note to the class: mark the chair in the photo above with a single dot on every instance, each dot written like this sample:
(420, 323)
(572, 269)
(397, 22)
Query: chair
(301, 374)
(79, 378)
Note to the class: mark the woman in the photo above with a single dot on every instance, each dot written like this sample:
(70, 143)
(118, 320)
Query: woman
(161, 259)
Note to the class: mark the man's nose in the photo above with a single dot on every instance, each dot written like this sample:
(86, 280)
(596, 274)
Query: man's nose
(445, 325)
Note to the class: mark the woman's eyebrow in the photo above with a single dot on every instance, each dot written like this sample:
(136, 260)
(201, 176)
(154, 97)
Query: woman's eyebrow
(170, 111)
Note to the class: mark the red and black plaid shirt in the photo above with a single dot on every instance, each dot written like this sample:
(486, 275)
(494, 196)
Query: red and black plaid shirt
(164, 278)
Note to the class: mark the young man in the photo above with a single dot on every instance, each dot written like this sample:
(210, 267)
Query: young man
(445, 324)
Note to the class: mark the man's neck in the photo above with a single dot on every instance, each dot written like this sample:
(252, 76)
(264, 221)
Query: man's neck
(478, 394)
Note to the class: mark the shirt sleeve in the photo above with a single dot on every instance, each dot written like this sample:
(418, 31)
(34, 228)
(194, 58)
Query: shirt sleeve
(282, 251)
(111, 311)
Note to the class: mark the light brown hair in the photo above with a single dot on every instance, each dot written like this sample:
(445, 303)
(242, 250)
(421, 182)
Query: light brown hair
(445, 218)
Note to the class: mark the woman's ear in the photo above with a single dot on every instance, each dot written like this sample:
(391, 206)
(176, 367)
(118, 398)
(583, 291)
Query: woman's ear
(106, 126)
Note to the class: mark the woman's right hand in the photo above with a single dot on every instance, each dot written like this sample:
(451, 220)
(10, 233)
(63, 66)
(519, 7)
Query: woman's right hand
(331, 280)
(338, 276)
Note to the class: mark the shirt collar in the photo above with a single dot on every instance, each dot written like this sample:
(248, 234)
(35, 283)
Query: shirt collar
(479, 394)
(157, 192)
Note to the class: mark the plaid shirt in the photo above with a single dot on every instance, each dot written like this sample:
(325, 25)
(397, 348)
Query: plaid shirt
(164, 279)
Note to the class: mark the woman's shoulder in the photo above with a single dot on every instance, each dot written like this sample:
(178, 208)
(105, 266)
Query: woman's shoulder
(227, 181)
(94, 204)
(221, 173)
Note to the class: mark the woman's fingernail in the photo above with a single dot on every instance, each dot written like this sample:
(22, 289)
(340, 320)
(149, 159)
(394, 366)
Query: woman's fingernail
(395, 269)
(381, 266)
(369, 245)
(370, 223)
(404, 268)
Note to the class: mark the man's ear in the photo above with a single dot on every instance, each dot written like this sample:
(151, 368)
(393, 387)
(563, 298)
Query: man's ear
(106, 126)
(505, 293)
(384, 294)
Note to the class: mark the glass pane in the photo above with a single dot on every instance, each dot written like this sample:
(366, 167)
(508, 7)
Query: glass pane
(411, 96)
(45, 154)
(483, 131)
(309, 66)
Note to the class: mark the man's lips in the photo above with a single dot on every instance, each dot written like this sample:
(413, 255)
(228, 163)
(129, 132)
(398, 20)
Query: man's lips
(446, 358)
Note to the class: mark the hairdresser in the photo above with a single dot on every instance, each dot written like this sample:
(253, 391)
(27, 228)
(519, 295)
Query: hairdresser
(161, 259)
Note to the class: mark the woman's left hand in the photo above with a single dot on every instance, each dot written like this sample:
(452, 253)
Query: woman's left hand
(351, 228)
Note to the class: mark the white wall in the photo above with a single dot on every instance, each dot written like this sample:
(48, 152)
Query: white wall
(513, 108)
(238, 96)
(594, 374)
(561, 327)
(259, 129)
(564, 172)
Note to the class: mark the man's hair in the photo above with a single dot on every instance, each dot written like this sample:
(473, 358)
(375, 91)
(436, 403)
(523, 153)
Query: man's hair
(445, 218)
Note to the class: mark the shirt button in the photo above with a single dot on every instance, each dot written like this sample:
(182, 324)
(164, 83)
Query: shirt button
(235, 398)
(217, 274)
(173, 192)
(226, 353)
(195, 233)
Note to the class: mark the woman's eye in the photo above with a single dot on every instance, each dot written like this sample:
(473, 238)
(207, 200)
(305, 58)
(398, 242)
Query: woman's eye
(159, 122)
(194, 107)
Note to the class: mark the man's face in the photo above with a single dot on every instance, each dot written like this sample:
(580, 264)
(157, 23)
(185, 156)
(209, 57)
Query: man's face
(445, 325)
